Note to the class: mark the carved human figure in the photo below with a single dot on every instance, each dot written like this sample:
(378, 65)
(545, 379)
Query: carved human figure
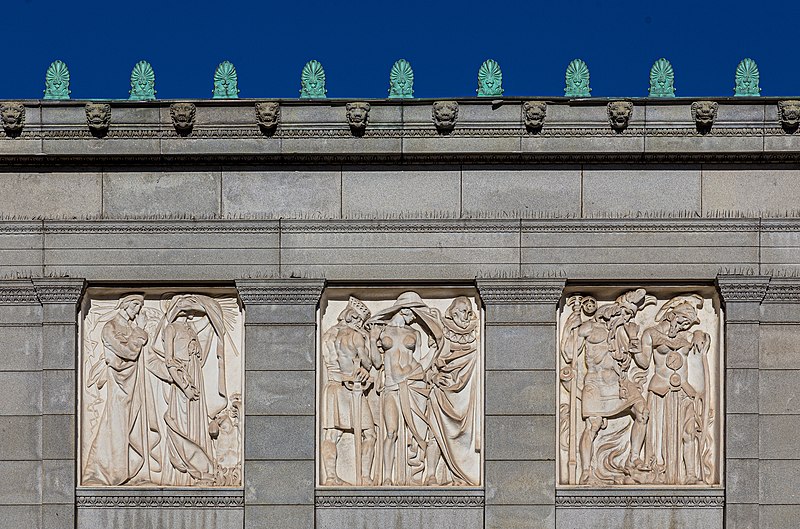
(406, 387)
(122, 449)
(606, 343)
(678, 441)
(186, 331)
(346, 353)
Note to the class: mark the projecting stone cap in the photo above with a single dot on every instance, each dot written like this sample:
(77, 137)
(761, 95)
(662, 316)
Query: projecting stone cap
(61, 290)
(742, 288)
(521, 291)
(18, 292)
(280, 291)
(783, 290)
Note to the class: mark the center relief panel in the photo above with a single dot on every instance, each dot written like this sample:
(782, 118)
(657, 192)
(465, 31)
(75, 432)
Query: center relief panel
(400, 388)
(161, 388)
(640, 388)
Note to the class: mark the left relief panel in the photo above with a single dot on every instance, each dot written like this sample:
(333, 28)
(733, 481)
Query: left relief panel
(161, 378)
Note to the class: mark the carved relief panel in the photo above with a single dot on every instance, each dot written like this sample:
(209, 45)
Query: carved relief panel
(400, 388)
(640, 388)
(161, 389)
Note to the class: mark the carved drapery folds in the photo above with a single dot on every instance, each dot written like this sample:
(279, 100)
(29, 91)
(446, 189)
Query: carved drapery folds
(640, 393)
(401, 369)
(161, 390)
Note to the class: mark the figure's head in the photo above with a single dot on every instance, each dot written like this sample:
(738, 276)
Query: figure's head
(182, 115)
(357, 115)
(589, 305)
(445, 115)
(681, 317)
(460, 312)
(267, 114)
(98, 116)
(131, 305)
(619, 114)
(13, 115)
(534, 113)
(407, 314)
(355, 313)
(789, 114)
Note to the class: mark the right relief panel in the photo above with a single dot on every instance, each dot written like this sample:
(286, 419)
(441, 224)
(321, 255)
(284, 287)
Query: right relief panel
(640, 387)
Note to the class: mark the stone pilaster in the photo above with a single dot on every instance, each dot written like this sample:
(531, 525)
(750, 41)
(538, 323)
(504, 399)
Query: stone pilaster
(59, 298)
(520, 349)
(280, 337)
(742, 295)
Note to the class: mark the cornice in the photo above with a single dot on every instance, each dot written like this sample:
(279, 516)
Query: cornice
(280, 291)
(400, 499)
(159, 499)
(18, 292)
(61, 290)
(783, 290)
(622, 499)
(520, 291)
(742, 288)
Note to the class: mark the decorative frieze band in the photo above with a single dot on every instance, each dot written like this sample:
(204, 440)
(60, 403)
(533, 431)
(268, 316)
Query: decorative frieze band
(154, 500)
(520, 291)
(743, 288)
(783, 290)
(654, 499)
(59, 290)
(408, 501)
(280, 291)
(18, 292)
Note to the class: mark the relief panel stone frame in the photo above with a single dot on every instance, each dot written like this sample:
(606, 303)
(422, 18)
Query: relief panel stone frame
(173, 360)
(439, 372)
(650, 375)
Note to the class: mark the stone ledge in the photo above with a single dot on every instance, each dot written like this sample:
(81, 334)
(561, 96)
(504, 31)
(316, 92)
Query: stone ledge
(195, 498)
(520, 291)
(280, 291)
(400, 498)
(641, 498)
(742, 288)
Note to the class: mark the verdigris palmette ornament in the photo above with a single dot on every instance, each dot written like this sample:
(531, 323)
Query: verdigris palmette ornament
(56, 81)
(401, 80)
(143, 82)
(662, 79)
(577, 79)
(490, 79)
(226, 81)
(312, 81)
(747, 78)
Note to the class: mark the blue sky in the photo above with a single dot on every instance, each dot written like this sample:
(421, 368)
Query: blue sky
(357, 42)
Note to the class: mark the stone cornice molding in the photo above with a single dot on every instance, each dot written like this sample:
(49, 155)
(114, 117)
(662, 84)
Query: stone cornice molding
(159, 499)
(280, 291)
(742, 288)
(59, 290)
(18, 292)
(783, 290)
(520, 291)
(414, 499)
(641, 499)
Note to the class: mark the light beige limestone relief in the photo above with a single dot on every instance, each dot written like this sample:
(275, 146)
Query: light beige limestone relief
(401, 391)
(161, 389)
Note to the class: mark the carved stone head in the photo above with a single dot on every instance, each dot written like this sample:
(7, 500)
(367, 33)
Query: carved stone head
(789, 114)
(619, 114)
(704, 113)
(534, 112)
(445, 115)
(98, 117)
(357, 116)
(182, 116)
(268, 113)
(13, 115)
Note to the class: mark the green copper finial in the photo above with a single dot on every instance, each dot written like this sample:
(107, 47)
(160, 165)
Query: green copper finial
(143, 82)
(490, 79)
(401, 80)
(56, 81)
(747, 77)
(312, 81)
(226, 82)
(577, 78)
(662, 79)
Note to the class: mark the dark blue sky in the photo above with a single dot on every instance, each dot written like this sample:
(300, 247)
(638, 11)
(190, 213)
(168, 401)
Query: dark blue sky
(357, 42)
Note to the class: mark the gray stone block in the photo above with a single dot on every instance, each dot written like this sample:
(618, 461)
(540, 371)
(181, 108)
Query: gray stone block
(625, 189)
(655, 518)
(741, 344)
(273, 194)
(400, 518)
(22, 482)
(378, 193)
(520, 347)
(16, 516)
(741, 516)
(279, 482)
(520, 392)
(22, 437)
(779, 346)
(58, 481)
(520, 517)
(521, 313)
(731, 189)
(742, 435)
(520, 437)
(275, 437)
(59, 340)
(779, 482)
(741, 386)
(58, 442)
(778, 516)
(20, 392)
(58, 392)
(161, 193)
(520, 191)
(280, 348)
(161, 518)
(25, 343)
(742, 480)
(280, 392)
(785, 401)
(50, 195)
(520, 482)
(282, 516)
(779, 435)
(58, 516)
(280, 314)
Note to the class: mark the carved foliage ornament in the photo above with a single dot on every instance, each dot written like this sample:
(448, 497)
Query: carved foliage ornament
(312, 81)
(639, 398)
(490, 79)
(619, 114)
(747, 78)
(577, 79)
(268, 114)
(662, 79)
(161, 383)
(56, 82)
(143, 82)
(226, 81)
(182, 116)
(789, 114)
(533, 113)
(401, 80)
(13, 115)
(404, 374)
(357, 116)
(445, 115)
(98, 117)
(704, 113)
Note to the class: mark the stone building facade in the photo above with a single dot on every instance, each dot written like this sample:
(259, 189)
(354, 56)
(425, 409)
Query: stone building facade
(535, 314)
